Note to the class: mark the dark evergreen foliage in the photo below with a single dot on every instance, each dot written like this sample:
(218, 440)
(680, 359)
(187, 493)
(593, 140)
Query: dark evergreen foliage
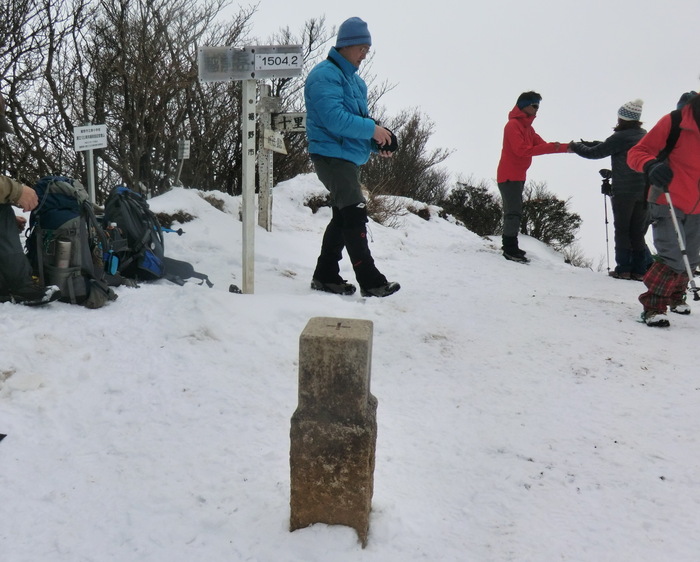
(547, 218)
(476, 207)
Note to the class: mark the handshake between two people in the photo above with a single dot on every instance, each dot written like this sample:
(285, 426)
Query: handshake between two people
(658, 171)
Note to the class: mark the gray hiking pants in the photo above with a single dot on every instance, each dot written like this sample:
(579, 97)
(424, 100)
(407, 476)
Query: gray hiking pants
(15, 271)
(341, 178)
(666, 241)
(512, 196)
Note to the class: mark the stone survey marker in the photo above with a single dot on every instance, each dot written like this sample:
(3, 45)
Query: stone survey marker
(334, 429)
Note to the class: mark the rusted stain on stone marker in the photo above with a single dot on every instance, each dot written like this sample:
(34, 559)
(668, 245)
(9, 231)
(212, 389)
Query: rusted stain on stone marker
(334, 429)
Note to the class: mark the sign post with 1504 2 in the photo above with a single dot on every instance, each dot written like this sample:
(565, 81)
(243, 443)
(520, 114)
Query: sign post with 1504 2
(253, 62)
(279, 61)
(250, 64)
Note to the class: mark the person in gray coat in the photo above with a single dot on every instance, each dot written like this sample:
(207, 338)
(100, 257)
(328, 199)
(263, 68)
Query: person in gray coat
(630, 214)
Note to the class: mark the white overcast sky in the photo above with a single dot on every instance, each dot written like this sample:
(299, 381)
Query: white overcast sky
(463, 64)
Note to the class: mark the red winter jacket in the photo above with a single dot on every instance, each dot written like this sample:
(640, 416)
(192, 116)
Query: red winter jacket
(684, 160)
(520, 144)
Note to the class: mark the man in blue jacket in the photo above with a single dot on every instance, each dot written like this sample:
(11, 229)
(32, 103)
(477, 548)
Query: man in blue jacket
(341, 137)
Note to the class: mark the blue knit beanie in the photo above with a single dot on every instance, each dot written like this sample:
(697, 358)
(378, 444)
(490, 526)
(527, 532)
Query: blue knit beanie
(685, 98)
(528, 98)
(353, 31)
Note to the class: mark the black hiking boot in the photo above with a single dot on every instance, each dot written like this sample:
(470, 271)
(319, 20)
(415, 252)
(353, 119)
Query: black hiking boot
(511, 251)
(342, 287)
(515, 256)
(382, 291)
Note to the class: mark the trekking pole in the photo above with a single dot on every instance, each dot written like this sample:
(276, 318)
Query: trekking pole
(607, 241)
(606, 190)
(179, 231)
(681, 245)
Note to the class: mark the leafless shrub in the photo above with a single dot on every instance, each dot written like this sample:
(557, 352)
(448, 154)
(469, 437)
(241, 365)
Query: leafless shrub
(315, 202)
(214, 201)
(413, 171)
(573, 255)
(386, 210)
(422, 212)
(166, 220)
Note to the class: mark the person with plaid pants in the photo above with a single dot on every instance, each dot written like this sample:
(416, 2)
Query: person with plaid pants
(679, 175)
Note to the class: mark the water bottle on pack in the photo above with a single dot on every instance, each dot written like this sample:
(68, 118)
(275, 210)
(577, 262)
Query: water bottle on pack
(63, 254)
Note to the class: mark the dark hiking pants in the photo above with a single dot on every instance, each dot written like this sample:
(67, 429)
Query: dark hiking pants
(15, 271)
(348, 226)
(512, 196)
(631, 220)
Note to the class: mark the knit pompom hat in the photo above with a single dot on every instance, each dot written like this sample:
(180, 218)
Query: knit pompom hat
(631, 111)
(353, 31)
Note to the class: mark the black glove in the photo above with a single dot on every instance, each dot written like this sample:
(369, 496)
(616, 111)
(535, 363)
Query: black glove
(393, 146)
(575, 147)
(659, 173)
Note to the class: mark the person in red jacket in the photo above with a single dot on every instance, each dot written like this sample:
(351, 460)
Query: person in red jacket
(520, 144)
(679, 174)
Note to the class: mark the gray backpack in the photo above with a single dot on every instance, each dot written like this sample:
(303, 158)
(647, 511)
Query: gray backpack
(66, 245)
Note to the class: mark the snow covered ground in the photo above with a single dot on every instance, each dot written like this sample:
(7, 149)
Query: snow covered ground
(524, 414)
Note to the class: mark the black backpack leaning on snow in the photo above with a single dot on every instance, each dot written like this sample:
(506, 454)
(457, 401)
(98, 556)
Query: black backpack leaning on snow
(65, 243)
(142, 256)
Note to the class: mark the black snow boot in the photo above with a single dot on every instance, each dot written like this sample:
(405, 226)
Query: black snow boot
(342, 287)
(511, 250)
(382, 291)
(371, 281)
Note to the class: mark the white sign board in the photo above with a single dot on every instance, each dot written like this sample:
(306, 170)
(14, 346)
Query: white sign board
(254, 62)
(273, 140)
(183, 150)
(218, 64)
(89, 137)
(286, 60)
(289, 122)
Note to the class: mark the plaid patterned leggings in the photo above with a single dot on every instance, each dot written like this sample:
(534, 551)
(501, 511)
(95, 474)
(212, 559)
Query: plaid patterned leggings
(665, 287)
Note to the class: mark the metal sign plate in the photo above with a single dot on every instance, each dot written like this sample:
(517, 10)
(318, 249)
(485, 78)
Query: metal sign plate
(89, 137)
(250, 63)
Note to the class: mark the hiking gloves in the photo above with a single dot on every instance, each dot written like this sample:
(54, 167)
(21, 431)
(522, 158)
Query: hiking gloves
(659, 173)
(393, 146)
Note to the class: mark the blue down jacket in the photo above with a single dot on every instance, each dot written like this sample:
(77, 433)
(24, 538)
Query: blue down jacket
(337, 123)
